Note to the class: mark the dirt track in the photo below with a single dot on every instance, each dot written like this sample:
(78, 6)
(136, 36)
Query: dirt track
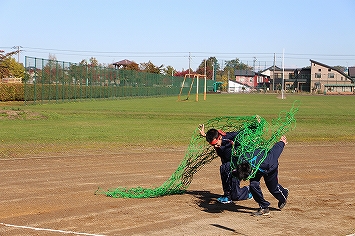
(55, 196)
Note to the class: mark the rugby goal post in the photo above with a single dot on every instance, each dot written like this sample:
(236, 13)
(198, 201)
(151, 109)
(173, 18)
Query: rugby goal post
(197, 76)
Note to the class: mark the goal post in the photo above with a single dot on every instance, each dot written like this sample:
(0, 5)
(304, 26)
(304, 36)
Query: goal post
(197, 77)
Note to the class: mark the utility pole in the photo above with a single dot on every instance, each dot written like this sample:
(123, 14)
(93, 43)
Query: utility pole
(254, 63)
(283, 74)
(213, 77)
(273, 74)
(221, 71)
(189, 64)
(18, 52)
(205, 68)
(205, 86)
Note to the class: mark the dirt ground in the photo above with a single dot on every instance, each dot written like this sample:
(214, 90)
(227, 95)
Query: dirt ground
(55, 195)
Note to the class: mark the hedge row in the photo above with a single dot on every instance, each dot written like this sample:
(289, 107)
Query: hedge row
(39, 92)
(12, 92)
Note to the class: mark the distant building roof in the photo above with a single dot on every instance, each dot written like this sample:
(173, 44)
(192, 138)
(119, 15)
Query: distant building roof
(271, 68)
(123, 63)
(351, 71)
(244, 73)
(324, 65)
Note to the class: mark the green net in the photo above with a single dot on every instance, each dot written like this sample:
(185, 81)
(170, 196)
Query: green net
(254, 133)
(261, 136)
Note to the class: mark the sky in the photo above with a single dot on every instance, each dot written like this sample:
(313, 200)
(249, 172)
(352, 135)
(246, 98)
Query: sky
(182, 33)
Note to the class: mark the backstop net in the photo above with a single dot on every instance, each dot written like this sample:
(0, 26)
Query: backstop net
(50, 80)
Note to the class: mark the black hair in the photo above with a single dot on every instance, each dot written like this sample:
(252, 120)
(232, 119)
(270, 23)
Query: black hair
(211, 135)
(242, 171)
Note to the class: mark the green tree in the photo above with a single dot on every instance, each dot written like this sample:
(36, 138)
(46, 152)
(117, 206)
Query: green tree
(169, 70)
(212, 66)
(9, 67)
(233, 65)
(229, 68)
(151, 68)
(14, 69)
(340, 68)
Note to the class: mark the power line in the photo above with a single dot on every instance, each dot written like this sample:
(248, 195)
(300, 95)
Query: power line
(185, 53)
(265, 58)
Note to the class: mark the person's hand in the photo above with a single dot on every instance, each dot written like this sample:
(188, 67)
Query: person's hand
(283, 139)
(201, 128)
(258, 118)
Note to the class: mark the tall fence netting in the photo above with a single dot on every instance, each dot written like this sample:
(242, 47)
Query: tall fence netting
(50, 80)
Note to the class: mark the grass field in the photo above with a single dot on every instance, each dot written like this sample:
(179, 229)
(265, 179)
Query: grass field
(151, 122)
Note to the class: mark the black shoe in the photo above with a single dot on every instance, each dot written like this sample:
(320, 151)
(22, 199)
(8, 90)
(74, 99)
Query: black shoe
(262, 212)
(283, 204)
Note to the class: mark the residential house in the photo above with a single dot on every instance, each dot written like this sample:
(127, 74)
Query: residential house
(237, 87)
(245, 77)
(300, 80)
(328, 79)
(276, 74)
(248, 80)
(318, 77)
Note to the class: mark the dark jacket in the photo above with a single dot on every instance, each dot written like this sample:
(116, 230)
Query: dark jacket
(225, 151)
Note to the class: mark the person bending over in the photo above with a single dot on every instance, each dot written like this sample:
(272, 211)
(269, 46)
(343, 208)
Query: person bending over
(269, 171)
(223, 143)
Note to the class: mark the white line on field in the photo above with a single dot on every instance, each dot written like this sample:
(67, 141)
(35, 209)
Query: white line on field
(50, 230)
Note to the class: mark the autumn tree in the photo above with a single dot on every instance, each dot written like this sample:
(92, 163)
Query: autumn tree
(93, 62)
(182, 73)
(51, 70)
(93, 72)
(132, 66)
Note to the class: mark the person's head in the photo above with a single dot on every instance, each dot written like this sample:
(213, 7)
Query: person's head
(242, 171)
(214, 137)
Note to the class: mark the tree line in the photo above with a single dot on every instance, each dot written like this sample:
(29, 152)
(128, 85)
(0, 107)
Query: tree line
(9, 67)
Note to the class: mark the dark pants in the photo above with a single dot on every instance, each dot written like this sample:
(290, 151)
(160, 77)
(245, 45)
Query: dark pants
(231, 185)
(270, 178)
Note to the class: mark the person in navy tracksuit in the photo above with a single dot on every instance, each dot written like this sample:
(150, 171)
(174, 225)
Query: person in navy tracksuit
(223, 144)
(269, 170)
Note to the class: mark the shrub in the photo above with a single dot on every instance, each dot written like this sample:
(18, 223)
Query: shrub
(12, 92)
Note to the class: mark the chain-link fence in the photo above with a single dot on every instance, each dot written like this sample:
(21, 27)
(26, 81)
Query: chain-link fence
(49, 80)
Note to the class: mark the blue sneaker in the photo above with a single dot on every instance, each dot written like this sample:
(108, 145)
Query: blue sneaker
(250, 196)
(224, 200)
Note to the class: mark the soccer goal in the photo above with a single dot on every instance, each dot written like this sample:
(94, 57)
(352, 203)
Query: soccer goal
(193, 77)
